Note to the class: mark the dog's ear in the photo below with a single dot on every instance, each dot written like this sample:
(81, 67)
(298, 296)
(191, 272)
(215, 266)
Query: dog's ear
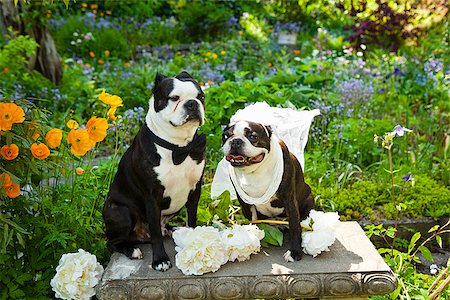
(268, 130)
(158, 78)
(184, 75)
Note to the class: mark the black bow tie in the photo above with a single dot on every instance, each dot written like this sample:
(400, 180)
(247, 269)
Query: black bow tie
(195, 149)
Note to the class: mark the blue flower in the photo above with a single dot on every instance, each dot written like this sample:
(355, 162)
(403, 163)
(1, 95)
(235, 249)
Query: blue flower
(407, 177)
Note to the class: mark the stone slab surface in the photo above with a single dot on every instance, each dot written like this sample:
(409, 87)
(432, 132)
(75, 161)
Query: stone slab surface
(352, 268)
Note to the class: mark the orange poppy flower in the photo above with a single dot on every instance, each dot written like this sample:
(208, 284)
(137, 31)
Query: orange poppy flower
(296, 51)
(79, 141)
(72, 124)
(40, 151)
(100, 62)
(112, 113)
(79, 171)
(109, 99)
(12, 190)
(53, 138)
(97, 128)
(9, 152)
(10, 113)
(107, 52)
(91, 54)
(5, 180)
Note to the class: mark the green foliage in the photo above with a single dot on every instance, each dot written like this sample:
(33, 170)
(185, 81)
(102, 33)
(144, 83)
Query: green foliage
(202, 19)
(272, 235)
(84, 36)
(353, 201)
(411, 284)
(424, 198)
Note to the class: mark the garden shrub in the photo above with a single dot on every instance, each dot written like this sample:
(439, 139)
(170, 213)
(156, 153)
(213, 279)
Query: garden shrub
(425, 198)
(384, 26)
(355, 201)
(48, 188)
(202, 19)
(88, 37)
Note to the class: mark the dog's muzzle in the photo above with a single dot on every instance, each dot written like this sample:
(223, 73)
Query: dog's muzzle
(237, 159)
(193, 112)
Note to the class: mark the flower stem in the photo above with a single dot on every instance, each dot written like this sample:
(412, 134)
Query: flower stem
(393, 188)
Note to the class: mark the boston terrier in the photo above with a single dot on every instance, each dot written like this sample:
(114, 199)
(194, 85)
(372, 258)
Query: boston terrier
(160, 172)
(268, 179)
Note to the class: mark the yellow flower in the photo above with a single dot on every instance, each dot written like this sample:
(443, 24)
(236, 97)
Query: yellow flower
(40, 151)
(72, 124)
(9, 152)
(112, 112)
(223, 52)
(97, 129)
(53, 138)
(10, 113)
(208, 53)
(79, 171)
(79, 141)
(109, 99)
(205, 59)
(214, 56)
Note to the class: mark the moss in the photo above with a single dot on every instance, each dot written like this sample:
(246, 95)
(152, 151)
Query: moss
(427, 198)
(368, 198)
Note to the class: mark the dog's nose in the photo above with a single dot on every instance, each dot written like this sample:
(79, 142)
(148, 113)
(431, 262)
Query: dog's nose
(191, 105)
(236, 143)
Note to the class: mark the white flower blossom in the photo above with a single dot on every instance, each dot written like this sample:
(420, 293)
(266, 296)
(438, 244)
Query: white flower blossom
(318, 232)
(241, 241)
(76, 276)
(200, 250)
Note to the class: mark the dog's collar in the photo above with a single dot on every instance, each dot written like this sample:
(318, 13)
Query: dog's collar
(195, 149)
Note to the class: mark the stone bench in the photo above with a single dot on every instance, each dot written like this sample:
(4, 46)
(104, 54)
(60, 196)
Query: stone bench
(352, 269)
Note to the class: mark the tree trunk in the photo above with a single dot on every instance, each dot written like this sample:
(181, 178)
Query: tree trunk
(47, 60)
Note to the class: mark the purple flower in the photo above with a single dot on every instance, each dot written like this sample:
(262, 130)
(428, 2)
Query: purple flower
(407, 177)
(400, 131)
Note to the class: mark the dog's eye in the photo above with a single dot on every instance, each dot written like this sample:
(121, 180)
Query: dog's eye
(174, 98)
(226, 136)
(253, 137)
(201, 97)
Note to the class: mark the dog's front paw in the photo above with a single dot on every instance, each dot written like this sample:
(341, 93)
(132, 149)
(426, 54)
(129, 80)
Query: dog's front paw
(161, 265)
(292, 255)
(137, 254)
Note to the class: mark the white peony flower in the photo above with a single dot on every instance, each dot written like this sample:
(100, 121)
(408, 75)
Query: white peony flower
(180, 234)
(318, 232)
(200, 251)
(76, 276)
(241, 241)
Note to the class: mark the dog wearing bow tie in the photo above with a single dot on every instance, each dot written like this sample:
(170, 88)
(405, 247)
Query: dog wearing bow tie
(160, 172)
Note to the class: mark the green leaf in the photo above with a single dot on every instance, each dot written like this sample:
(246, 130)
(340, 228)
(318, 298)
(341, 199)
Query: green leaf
(439, 240)
(413, 241)
(426, 253)
(272, 235)
(434, 228)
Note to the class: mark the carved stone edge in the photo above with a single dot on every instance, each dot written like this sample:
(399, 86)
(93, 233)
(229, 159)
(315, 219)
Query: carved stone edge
(250, 287)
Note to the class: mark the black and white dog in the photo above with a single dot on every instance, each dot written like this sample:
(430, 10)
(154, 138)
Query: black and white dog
(268, 179)
(160, 172)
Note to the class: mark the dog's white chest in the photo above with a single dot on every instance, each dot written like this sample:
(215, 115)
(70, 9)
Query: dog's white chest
(268, 210)
(178, 180)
